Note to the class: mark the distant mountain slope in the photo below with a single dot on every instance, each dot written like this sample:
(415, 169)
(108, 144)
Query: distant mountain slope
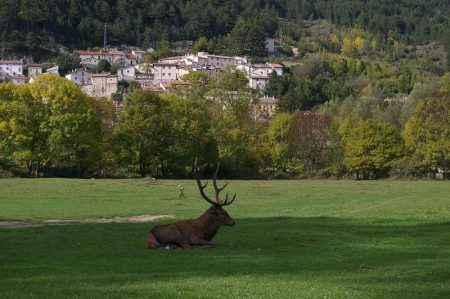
(31, 24)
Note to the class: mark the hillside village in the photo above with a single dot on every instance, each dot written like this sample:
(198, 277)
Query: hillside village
(159, 77)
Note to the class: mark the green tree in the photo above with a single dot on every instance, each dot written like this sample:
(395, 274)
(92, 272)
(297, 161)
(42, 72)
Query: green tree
(103, 66)
(22, 127)
(49, 122)
(232, 79)
(370, 148)
(234, 130)
(163, 50)
(144, 132)
(67, 63)
(427, 135)
(200, 84)
(107, 114)
(190, 135)
(147, 61)
(247, 38)
(74, 129)
(202, 45)
(278, 140)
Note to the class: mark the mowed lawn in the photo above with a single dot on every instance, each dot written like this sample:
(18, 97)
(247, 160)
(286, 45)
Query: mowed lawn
(293, 239)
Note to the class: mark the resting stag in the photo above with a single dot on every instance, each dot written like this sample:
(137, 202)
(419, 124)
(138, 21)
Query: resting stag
(195, 233)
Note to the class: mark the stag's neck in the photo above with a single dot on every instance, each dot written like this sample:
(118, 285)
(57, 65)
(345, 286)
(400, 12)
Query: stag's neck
(208, 225)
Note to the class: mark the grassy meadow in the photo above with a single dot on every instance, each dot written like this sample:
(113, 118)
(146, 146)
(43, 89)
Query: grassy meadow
(293, 239)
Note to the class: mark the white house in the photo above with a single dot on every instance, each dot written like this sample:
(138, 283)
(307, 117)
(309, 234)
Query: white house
(92, 57)
(131, 59)
(90, 62)
(266, 68)
(80, 77)
(278, 68)
(164, 72)
(204, 59)
(259, 74)
(173, 60)
(34, 70)
(118, 57)
(10, 68)
(53, 70)
(139, 54)
(240, 60)
(18, 79)
(181, 71)
(258, 81)
(127, 73)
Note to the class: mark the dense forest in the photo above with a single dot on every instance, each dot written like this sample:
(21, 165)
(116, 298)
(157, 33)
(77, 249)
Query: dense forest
(31, 24)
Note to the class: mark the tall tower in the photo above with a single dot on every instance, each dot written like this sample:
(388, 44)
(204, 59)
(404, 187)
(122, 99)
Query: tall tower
(105, 37)
(281, 36)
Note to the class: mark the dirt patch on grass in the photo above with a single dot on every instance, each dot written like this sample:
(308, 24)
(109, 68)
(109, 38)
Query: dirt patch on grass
(132, 219)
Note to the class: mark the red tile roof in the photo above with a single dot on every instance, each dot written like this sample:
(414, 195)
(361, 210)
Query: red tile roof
(18, 77)
(276, 65)
(11, 62)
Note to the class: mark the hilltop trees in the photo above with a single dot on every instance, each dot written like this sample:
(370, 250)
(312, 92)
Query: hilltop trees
(230, 25)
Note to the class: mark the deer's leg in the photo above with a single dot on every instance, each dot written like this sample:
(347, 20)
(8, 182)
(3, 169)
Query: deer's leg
(200, 242)
(184, 245)
(202, 246)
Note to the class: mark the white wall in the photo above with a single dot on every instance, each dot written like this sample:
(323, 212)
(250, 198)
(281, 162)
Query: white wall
(11, 68)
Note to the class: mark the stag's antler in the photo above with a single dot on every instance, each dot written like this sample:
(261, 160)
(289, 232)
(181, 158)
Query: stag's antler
(217, 190)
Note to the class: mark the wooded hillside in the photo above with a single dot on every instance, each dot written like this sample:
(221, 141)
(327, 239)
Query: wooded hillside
(31, 24)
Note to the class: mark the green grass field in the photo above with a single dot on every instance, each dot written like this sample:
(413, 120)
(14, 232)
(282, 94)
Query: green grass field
(293, 239)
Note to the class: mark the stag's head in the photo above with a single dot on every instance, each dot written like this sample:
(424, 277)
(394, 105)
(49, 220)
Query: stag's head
(216, 211)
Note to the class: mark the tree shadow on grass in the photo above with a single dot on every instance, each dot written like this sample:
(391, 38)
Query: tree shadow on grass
(408, 256)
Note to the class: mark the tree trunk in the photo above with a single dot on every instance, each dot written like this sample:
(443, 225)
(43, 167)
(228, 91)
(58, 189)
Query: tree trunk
(37, 169)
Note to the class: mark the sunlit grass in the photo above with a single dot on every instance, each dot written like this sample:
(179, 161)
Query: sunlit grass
(293, 239)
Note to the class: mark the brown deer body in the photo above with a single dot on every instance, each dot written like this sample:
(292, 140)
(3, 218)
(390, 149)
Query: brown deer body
(195, 233)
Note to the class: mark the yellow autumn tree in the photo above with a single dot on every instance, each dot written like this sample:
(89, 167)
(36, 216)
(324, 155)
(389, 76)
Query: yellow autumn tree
(359, 45)
(347, 46)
